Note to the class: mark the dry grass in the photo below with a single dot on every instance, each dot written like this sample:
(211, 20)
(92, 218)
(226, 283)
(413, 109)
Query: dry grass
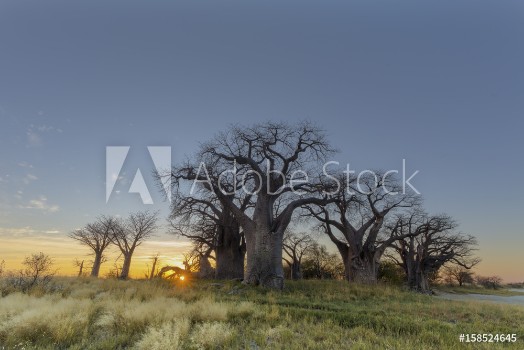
(111, 314)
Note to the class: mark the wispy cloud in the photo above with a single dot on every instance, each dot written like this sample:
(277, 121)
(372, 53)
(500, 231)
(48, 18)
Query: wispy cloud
(52, 232)
(47, 128)
(26, 231)
(28, 178)
(17, 231)
(25, 165)
(41, 204)
(34, 134)
(33, 139)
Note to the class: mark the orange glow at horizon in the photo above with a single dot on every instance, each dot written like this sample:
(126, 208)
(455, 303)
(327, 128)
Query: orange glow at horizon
(15, 247)
(63, 251)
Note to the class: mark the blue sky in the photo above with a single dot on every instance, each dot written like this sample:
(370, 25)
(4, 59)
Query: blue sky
(440, 84)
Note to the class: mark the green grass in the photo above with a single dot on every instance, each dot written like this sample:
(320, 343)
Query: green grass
(478, 290)
(109, 314)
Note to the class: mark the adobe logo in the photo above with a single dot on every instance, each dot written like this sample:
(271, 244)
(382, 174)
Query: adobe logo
(115, 159)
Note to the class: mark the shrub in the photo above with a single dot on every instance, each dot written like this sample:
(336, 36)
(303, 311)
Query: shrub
(390, 272)
(37, 272)
(492, 282)
(212, 335)
(168, 335)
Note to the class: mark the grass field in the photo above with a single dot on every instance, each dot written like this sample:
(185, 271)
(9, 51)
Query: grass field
(108, 314)
(505, 292)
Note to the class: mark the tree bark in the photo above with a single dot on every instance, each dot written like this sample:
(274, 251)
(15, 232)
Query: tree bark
(124, 273)
(422, 283)
(363, 269)
(344, 254)
(267, 270)
(410, 262)
(95, 270)
(296, 271)
(153, 268)
(205, 269)
(81, 268)
(250, 255)
(230, 252)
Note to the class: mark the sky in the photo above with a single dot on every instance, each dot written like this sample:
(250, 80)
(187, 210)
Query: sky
(440, 84)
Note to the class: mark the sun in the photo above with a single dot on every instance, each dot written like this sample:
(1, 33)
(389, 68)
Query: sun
(182, 278)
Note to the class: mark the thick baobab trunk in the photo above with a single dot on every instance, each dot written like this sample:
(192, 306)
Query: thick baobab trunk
(267, 270)
(124, 274)
(205, 269)
(421, 279)
(230, 252)
(250, 255)
(95, 270)
(296, 271)
(409, 261)
(421, 272)
(363, 269)
(422, 283)
(344, 254)
(347, 268)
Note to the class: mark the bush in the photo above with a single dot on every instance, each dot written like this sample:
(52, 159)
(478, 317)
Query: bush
(492, 282)
(389, 272)
(37, 272)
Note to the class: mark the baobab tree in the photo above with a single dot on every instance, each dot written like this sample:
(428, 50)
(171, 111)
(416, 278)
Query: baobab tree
(430, 242)
(273, 162)
(459, 274)
(197, 261)
(295, 246)
(127, 235)
(97, 236)
(213, 229)
(354, 221)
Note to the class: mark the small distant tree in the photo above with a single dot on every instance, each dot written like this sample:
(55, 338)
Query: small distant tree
(131, 233)
(80, 265)
(2, 267)
(96, 236)
(295, 246)
(153, 271)
(458, 274)
(37, 271)
(492, 282)
(115, 271)
(321, 264)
